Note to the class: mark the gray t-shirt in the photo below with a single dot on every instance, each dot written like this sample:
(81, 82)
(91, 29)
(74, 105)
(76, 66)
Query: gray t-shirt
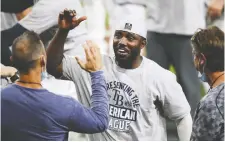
(136, 96)
(44, 16)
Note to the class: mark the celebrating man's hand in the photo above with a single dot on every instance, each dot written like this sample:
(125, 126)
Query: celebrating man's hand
(215, 8)
(67, 19)
(93, 58)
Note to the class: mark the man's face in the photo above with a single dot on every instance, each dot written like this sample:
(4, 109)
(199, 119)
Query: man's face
(126, 45)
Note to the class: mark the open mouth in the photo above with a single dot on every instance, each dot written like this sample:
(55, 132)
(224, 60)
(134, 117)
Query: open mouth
(122, 52)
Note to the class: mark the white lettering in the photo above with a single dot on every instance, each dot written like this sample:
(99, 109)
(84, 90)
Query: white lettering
(120, 125)
(115, 124)
(132, 115)
(121, 113)
(110, 123)
(111, 110)
(127, 115)
(115, 111)
(127, 125)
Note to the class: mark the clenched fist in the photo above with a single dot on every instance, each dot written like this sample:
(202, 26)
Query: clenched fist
(67, 19)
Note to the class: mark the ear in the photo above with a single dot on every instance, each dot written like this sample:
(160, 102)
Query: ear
(143, 43)
(11, 58)
(203, 59)
(43, 61)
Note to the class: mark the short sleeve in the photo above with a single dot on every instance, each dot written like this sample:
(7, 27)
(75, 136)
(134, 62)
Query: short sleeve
(44, 14)
(42, 17)
(71, 69)
(175, 103)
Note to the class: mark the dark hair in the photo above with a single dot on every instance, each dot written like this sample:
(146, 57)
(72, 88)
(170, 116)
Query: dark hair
(210, 43)
(26, 49)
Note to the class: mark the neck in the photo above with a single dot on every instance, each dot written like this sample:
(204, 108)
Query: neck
(131, 64)
(216, 78)
(30, 80)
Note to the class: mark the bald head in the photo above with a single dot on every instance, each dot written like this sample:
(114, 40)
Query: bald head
(26, 49)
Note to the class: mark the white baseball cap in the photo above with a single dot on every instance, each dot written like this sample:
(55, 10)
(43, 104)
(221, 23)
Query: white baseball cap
(133, 25)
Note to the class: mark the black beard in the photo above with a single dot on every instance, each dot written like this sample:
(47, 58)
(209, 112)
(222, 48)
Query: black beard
(128, 62)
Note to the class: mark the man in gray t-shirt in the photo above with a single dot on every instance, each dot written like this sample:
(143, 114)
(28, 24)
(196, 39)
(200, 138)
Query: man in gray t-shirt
(171, 25)
(141, 93)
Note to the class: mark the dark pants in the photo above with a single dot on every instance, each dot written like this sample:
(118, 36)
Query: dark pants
(171, 49)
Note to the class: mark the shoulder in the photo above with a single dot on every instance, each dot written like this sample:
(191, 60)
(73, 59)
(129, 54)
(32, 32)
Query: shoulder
(212, 98)
(208, 107)
(70, 61)
(107, 58)
(157, 72)
(8, 88)
(108, 61)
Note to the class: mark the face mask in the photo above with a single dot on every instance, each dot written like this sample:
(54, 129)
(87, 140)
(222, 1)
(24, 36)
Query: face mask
(44, 75)
(203, 77)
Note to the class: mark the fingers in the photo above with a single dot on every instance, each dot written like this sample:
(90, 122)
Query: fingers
(81, 63)
(67, 19)
(61, 14)
(91, 47)
(67, 14)
(214, 12)
(88, 53)
(81, 19)
(94, 46)
(91, 50)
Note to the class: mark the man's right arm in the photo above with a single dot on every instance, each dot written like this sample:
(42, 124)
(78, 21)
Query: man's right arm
(66, 22)
(55, 53)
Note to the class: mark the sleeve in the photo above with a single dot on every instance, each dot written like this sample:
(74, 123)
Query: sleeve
(94, 119)
(184, 128)
(43, 16)
(71, 69)
(206, 126)
(175, 103)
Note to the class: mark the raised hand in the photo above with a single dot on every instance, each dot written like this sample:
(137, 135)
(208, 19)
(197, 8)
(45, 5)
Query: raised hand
(93, 58)
(215, 8)
(67, 19)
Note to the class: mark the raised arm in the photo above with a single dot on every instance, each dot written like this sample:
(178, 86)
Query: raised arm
(66, 21)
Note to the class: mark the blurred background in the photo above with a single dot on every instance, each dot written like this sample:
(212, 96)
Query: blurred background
(170, 25)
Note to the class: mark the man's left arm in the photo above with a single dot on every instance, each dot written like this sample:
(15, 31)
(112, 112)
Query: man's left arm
(184, 127)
